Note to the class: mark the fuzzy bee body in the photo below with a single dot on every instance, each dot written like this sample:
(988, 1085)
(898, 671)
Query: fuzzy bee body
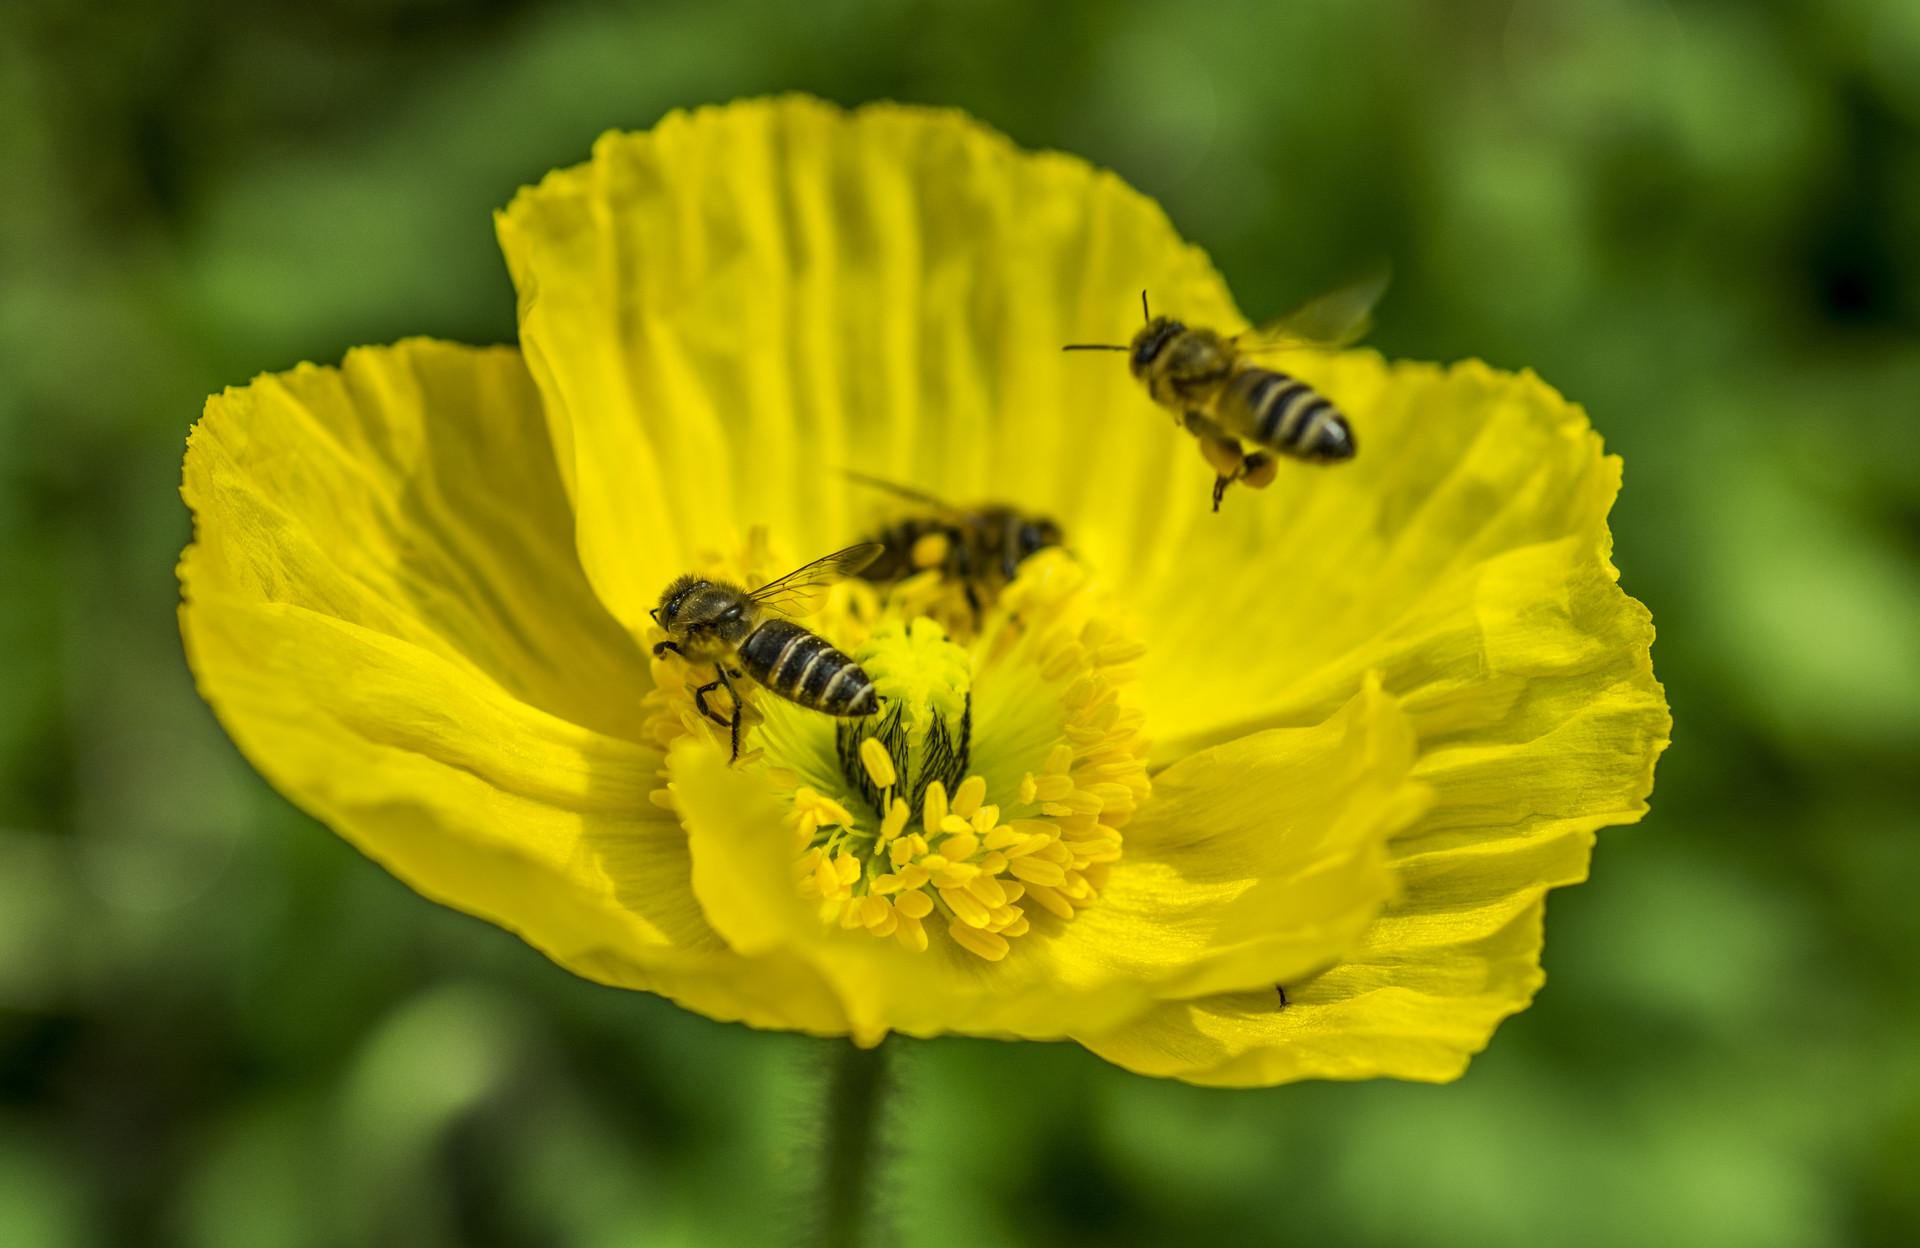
(805, 669)
(717, 622)
(979, 548)
(1218, 394)
(1223, 398)
(1282, 413)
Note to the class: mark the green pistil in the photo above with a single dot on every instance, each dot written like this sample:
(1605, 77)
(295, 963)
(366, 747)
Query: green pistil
(926, 724)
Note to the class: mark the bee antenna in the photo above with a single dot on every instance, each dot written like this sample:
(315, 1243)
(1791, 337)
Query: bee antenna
(1145, 315)
(1092, 346)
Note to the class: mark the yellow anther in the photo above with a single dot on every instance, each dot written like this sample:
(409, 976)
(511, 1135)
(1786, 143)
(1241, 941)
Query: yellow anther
(988, 891)
(1054, 852)
(1052, 788)
(955, 875)
(879, 763)
(960, 848)
(974, 941)
(934, 808)
(1049, 900)
(896, 820)
(966, 906)
(1003, 836)
(1035, 870)
(1062, 663)
(914, 904)
(911, 934)
(967, 798)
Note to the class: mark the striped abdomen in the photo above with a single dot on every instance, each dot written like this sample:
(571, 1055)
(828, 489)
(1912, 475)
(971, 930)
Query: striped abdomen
(801, 667)
(1285, 414)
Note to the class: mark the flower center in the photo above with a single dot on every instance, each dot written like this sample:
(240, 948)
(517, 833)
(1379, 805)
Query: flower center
(986, 797)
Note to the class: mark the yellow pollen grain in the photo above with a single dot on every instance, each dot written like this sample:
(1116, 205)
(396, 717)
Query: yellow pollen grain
(930, 551)
(879, 764)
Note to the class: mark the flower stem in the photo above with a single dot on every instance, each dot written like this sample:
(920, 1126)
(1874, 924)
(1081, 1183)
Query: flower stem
(856, 1089)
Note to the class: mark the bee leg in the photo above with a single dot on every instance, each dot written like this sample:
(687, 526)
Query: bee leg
(739, 712)
(666, 647)
(700, 704)
(1220, 485)
(1282, 990)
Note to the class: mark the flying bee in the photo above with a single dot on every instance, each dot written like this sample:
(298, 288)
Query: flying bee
(724, 624)
(978, 548)
(1220, 396)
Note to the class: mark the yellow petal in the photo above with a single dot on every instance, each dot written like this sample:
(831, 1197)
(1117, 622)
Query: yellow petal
(1256, 861)
(1259, 860)
(725, 311)
(1467, 559)
(382, 607)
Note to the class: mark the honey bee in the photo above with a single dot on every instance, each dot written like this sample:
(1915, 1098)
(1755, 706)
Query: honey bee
(1220, 396)
(717, 622)
(978, 548)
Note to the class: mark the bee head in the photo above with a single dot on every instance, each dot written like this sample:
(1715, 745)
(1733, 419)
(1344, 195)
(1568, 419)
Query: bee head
(1151, 341)
(1037, 534)
(672, 598)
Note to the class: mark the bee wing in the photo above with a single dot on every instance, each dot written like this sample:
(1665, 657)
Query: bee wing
(906, 492)
(797, 591)
(1330, 321)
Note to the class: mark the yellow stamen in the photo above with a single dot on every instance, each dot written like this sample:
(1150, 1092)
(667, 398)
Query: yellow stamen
(878, 762)
(919, 828)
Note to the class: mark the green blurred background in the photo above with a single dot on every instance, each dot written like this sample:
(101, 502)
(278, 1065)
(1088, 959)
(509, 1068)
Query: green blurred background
(221, 1026)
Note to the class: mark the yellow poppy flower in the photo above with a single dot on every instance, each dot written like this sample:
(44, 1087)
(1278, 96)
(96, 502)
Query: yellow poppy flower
(1235, 798)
